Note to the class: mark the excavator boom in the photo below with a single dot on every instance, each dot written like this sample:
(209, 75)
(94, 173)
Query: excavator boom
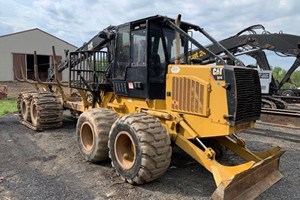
(254, 44)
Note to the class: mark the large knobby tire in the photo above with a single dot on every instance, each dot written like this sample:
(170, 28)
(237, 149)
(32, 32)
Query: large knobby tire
(46, 110)
(92, 131)
(23, 102)
(139, 148)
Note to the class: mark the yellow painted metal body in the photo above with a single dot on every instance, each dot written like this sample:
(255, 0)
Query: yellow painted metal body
(195, 98)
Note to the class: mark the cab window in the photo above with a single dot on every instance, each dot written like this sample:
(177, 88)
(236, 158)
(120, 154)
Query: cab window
(138, 48)
(122, 59)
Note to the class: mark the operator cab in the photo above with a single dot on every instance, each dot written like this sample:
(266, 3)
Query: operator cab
(133, 57)
(144, 49)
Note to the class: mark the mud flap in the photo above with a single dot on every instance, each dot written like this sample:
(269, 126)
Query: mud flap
(252, 182)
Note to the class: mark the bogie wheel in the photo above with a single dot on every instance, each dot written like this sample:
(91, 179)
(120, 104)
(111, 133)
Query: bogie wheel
(24, 106)
(46, 110)
(139, 148)
(92, 131)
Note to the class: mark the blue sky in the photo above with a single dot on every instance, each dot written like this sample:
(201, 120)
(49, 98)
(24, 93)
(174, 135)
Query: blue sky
(76, 21)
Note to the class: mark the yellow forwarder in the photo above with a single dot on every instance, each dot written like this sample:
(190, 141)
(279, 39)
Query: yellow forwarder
(136, 92)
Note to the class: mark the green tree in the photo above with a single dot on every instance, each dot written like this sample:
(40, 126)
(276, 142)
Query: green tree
(294, 82)
(277, 73)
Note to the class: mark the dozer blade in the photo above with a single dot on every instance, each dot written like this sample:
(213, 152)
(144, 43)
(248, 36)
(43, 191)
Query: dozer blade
(251, 182)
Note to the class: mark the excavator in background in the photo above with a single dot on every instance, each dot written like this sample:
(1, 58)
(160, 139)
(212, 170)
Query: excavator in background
(136, 91)
(248, 42)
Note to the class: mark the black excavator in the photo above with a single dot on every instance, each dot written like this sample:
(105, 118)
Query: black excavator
(249, 42)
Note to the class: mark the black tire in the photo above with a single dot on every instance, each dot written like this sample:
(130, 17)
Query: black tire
(288, 93)
(46, 110)
(280, 104)
(92, 131)
(139, 148)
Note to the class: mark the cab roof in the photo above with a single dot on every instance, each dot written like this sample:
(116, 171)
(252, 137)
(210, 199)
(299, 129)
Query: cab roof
(162, 19)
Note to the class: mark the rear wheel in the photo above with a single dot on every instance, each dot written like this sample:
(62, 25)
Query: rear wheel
(92, 131)
(24, 106)
(139, 148)
(46, 110)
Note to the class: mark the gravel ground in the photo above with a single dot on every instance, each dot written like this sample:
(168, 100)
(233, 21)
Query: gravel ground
(48, 165)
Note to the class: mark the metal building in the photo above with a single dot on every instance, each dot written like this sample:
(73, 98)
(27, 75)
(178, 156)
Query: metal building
(16, 52)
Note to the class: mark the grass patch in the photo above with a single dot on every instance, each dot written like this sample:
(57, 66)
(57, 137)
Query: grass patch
(7, 106)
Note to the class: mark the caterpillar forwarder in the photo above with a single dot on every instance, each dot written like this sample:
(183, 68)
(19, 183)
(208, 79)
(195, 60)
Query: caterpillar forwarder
(136, 92)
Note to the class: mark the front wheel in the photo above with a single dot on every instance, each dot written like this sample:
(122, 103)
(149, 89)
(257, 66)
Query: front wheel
(92, 131)
(139, 148)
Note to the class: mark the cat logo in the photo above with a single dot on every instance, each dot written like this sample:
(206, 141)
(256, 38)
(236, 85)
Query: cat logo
(217, 73)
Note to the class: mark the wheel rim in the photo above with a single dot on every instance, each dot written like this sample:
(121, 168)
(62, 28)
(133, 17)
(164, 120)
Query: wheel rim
(23, 108)
(125, 150)
(87, 136)
(34, 112)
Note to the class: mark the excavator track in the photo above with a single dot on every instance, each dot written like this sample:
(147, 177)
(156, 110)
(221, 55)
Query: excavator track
(280, 104)
(267, 104)
(46, 110)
